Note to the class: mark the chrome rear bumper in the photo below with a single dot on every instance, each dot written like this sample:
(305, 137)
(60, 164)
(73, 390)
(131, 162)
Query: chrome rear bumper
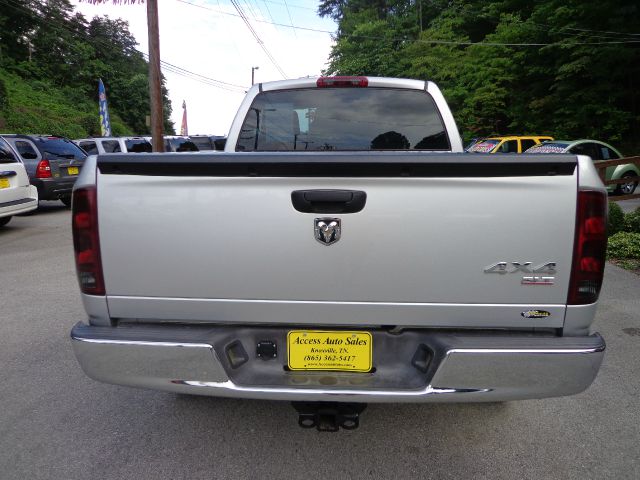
(462, 367)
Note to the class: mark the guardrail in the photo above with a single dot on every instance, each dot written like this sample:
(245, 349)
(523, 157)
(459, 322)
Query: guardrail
(601, 166)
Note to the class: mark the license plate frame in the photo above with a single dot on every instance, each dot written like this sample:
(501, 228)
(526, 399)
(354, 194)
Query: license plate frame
(330, 350)
(4, 182)
(73, 170)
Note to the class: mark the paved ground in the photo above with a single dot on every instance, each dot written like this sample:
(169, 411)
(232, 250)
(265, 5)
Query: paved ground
(57, 424)
(630, 205)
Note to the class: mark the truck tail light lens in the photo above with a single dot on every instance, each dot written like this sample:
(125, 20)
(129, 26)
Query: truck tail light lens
(324, 82)
(86, 244)
(43, 170)
(590, 248)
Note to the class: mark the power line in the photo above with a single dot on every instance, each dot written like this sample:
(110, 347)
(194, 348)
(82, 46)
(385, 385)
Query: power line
(424, 41)
(257, 37)
(290, 19)
(168, 66)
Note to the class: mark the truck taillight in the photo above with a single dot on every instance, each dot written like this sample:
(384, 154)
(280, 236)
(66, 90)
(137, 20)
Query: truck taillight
(86, 242)
(342, 82)
(43, 170)
(590, 248)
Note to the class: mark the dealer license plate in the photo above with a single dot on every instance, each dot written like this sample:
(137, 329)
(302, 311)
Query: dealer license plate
(329, 350)
(72, 170)
(4, 183)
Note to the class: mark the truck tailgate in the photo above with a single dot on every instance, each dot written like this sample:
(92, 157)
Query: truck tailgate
(215, 238)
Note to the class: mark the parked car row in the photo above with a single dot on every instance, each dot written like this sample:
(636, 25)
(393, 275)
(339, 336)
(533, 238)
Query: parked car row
(52, 163)
(45, 167)
(598, 151)
(172, 143)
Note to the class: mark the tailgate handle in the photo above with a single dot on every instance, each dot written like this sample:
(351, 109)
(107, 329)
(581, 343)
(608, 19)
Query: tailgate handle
(328, 201)
(8, 173)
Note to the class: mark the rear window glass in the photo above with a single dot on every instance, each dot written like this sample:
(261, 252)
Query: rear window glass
(6, 155)
(90, 147)
(343, 119)
(548, 147)
(60, 147)
(181, 145)
(26, 150)
(203, 143)
(138, 146)
(111, 146)
(527, 144)
(484, 146)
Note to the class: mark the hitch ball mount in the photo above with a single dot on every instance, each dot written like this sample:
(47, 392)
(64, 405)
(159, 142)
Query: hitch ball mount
(329, 416)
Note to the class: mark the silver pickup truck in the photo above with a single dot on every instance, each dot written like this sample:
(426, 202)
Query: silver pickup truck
(342, 249)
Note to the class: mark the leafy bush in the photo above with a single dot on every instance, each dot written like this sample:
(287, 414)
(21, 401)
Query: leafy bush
(632, 221)
(616, 219)
(624, 245)
(4, 102)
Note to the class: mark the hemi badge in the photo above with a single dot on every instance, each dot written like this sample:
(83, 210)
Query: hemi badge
(538, 280)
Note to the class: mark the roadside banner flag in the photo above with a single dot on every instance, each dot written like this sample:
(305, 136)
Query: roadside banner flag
(105, 123)
(184, 129)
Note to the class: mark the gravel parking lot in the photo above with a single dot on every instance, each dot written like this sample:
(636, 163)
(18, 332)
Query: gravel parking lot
(55, 423)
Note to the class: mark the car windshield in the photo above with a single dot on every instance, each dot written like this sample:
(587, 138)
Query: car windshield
(343, 119)
(60, 147)
(483, 146)
(548, 147)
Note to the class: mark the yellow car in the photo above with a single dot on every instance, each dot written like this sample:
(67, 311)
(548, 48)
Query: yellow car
(512, 144)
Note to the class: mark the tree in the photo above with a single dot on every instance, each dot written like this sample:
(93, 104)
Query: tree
(155, 76)
(506, 66)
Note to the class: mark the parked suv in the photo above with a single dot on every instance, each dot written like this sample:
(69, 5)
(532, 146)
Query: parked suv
(94, 146)
(52, 163)
(16, 194)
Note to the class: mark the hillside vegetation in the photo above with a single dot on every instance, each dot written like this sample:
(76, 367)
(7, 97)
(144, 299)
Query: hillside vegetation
(50, 61)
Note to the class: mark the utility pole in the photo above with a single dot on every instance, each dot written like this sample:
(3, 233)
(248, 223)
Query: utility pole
(253, 69)
(155, 85)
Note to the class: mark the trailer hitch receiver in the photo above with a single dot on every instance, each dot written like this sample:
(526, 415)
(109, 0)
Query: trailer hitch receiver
(329, 416)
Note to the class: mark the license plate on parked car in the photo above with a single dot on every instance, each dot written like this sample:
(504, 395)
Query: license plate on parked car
(4, 182)
(72, 170)
(330, 350)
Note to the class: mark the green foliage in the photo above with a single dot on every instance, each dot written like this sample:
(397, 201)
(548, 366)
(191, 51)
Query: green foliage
(632, 221)
(624, 245)
(59, 54)
(39, 107)
(616, 219)
(564, 73)
(4, 101)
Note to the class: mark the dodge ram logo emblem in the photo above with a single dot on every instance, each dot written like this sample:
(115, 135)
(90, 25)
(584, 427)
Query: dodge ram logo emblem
(327, 230)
